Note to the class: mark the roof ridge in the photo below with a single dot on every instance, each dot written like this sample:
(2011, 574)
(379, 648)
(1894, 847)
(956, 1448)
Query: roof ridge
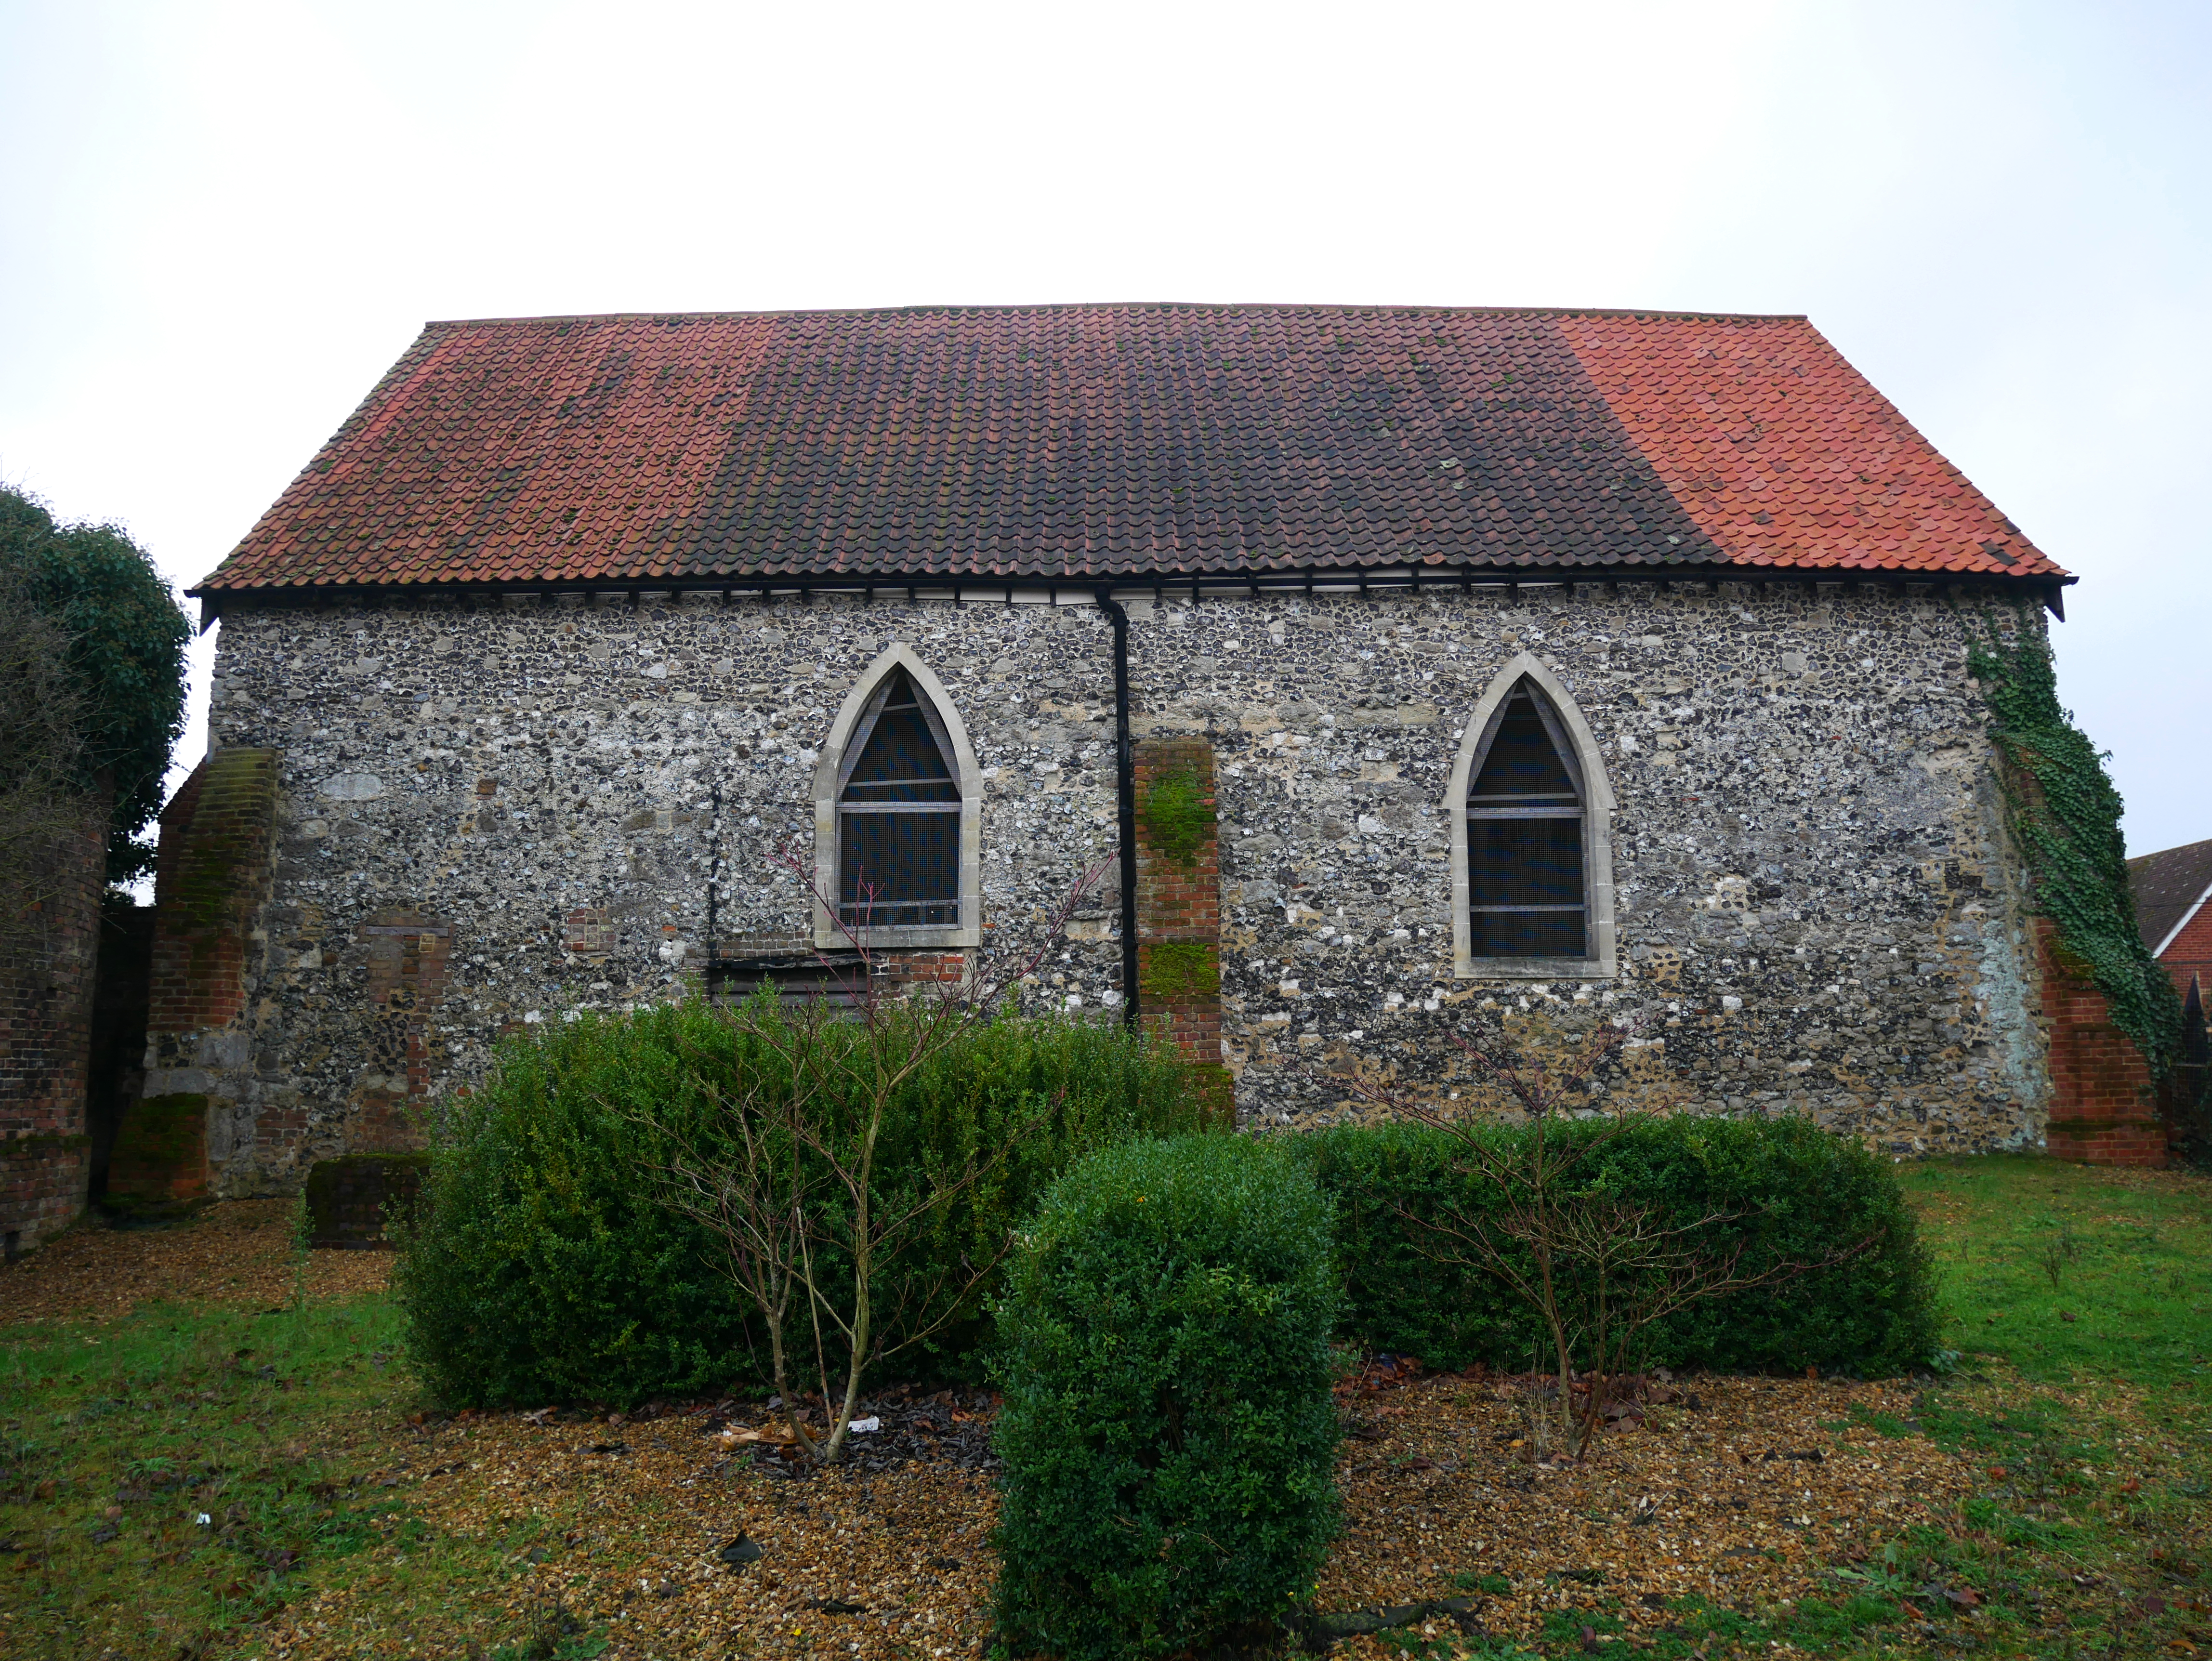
(2179, 848)
(1667, 313)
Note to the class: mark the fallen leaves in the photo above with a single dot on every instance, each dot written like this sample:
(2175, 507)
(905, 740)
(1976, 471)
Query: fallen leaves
(698, 1529)
(707, 1533)
(239, 1254)
(738, 1435)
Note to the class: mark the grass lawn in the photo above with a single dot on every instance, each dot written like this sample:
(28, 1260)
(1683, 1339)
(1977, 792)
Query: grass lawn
(172, 1478)
(120, 1437)
(2067, 1271)
(293, 1429)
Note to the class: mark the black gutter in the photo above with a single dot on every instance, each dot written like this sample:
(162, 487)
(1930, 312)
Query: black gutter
(1125, 791)
(1241, 582)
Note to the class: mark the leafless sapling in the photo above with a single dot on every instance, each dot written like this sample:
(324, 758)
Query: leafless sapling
(788, 1183)
(1597, 1269)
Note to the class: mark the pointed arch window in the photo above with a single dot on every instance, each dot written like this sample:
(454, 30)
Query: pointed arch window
(899, 814)
(1532, 835)
(1526, 897)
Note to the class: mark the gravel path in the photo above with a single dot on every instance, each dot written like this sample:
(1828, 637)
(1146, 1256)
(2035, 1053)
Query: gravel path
(729, 1545)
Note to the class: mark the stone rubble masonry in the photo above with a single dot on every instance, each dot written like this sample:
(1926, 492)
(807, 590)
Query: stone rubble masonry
(1820, 911)
(46, 988)
(408, 956)
(2104, 1104)
(1179, 902)
(212, 888)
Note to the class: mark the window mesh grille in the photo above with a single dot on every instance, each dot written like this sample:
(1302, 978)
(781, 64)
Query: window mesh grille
(1523, 761)
(898, 821)
(1527, 896)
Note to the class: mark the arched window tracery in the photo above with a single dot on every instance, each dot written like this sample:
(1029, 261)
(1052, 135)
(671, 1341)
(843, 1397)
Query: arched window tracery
(1532, 844)
(897, 814)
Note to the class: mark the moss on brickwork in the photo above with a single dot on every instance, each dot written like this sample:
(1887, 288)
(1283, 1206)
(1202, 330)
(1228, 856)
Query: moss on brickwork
(163, 1134)
(230, 827)
(1181, 969)
(1178, 820)
(26, 1147)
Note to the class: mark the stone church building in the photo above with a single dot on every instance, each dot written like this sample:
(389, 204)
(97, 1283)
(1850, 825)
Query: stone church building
(1612, 658)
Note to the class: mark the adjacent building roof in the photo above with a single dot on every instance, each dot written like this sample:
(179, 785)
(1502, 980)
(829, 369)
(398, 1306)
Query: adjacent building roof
(2169, 889)
(1082, 443)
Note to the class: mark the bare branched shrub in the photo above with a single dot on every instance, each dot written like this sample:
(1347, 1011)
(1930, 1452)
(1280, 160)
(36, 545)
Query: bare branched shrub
(1539, 1104)
(787, 1179)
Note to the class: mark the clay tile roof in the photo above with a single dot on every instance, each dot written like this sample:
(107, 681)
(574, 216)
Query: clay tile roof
(1078, 442)
(2168, 888)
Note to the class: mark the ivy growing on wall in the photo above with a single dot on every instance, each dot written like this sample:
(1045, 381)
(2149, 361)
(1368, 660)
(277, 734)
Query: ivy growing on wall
(124, 636)
(1175, 814)
(2065, 813)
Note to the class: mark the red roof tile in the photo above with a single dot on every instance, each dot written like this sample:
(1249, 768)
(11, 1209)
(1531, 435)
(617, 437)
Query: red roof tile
(1084, 442)
(1785, 456)
(2170, 887)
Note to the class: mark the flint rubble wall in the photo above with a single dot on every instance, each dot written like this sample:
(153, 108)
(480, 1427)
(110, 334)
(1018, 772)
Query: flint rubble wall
(1817, 910)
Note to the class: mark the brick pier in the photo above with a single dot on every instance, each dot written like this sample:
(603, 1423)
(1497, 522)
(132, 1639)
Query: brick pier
(1179, 919)
(210, 884)
(2103, 1104)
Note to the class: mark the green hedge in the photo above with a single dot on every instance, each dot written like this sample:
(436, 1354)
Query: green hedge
(1167, 1433)
(1796, 1192)
(542, 1268)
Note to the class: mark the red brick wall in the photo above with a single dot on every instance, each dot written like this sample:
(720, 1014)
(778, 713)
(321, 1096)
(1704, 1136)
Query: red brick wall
(942, 967)
(2190, 953)
(46, 980)
(1178, 902)
(209, 885)
(590, 931)
(212, 874)
(2103, 1105)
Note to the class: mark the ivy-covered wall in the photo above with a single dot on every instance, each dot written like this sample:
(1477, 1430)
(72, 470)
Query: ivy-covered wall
(2113, 1010)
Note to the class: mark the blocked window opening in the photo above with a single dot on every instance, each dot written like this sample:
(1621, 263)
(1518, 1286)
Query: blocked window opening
(1528, 890)
(899, 814)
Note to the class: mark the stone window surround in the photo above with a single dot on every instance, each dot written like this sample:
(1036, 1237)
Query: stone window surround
(1597, 824)
(967, 932)
(1597, 836)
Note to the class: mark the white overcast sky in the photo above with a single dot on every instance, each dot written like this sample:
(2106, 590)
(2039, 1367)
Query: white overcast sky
(223, 221)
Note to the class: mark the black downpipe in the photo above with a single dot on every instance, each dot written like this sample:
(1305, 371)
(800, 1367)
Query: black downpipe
(1125, 786)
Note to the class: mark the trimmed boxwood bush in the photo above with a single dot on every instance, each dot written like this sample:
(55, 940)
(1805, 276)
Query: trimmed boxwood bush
(1167, 1433)
(1796, 1192)
(540, 1266)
